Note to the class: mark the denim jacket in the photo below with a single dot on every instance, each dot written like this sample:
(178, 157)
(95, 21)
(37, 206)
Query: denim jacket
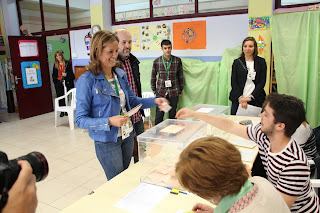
(97, 101)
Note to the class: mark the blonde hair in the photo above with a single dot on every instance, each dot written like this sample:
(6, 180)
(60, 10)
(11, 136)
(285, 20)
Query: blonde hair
(211, 167)
(56, 62)
(99, 41)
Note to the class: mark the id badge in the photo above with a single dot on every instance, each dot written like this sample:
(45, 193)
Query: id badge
(126, 129)
(168, 83)
(251, 75)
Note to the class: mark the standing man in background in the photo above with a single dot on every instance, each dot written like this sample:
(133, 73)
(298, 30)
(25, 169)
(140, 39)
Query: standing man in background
(170, 79)
(130, 64)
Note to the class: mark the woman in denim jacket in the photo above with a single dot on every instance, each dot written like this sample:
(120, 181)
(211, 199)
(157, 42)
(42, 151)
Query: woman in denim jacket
(103, 97)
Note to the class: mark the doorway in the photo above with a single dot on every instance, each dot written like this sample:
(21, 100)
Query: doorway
(56, 43)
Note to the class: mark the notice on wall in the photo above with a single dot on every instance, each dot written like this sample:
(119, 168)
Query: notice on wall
(189, 35)
(152, 35)
(135, 33)
(31, 74)
(28, 48)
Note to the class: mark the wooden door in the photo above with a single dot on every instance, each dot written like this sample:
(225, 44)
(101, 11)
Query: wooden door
(32, 82)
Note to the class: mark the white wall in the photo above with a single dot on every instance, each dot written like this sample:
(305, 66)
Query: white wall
(222, 32)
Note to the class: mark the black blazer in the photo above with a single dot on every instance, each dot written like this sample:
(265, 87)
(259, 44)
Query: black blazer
(239, 77)
(68, 79)
(136, 74)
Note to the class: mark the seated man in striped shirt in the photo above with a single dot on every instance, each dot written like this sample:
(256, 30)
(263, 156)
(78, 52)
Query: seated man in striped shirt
(283, 159)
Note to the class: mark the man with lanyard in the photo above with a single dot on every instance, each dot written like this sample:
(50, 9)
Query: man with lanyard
(170, 79)
(130, 64)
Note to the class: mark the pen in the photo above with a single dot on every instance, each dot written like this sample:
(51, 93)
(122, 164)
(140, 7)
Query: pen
(175, 191)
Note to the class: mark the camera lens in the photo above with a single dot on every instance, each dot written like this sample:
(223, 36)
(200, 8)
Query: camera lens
(38, 163)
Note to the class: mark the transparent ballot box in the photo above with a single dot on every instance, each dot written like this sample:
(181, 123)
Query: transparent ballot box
(212, 109)
(160, 147)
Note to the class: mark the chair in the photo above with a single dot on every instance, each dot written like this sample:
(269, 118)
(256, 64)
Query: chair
(68, 108)
(147, 113)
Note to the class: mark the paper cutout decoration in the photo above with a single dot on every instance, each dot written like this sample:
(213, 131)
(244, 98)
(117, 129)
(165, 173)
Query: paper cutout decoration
(261, 44)
(189, 35)
(259, 23)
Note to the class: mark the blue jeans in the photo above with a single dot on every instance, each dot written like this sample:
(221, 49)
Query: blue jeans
(115, 157)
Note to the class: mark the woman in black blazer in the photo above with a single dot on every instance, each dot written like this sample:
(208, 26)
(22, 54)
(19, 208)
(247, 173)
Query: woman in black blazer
(62, 72)
(248, 77)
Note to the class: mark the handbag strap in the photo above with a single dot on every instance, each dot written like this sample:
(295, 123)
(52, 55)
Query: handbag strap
(244, 67)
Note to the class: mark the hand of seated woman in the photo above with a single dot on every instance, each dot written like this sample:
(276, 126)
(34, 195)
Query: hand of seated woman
(203, 208)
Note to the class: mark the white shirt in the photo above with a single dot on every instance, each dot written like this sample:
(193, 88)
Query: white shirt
(249, 86)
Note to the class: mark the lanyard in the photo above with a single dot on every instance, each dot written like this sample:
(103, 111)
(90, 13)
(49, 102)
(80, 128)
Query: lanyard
(115, 83)
(117, 91)
(164, 64)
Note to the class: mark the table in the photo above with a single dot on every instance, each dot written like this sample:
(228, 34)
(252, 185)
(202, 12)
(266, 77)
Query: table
(105, 196)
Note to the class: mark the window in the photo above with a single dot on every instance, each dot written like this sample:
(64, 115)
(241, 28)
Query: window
(295, 3)
(172, 8)
(55, 15)
(30, 15)
(46, 17)
(206, 6)
(79, 12)
(130, 11)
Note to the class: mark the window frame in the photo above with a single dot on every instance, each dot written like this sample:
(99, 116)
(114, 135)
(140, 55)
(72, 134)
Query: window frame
(196, 14)
(278, 4)
(43, 32)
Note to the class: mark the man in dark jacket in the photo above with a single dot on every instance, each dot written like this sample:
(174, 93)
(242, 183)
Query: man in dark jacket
(130, 64)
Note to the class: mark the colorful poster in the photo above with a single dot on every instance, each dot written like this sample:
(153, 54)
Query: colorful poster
(31, 74)
(135, 33)
(259, 23)
(189, 35)
(152, 35)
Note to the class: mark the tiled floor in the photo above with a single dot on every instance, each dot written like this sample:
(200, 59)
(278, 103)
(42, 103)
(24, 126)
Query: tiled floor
(74, 170)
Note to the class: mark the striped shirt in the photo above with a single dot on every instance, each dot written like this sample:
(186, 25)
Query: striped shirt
(287, 170)
(175, 74)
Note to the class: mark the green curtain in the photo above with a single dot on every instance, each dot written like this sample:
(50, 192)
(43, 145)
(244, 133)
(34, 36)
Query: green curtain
(205, 82)
(296, 49)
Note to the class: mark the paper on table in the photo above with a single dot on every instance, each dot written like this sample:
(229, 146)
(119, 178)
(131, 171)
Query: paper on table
(247, 154)
(243, 142)
(250, 111)
(184, 211)
(142, 199)
(133, 111)
(172, 129)
(205, 110)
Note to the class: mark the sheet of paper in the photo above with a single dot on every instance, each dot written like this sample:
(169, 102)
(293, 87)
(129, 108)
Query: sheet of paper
(247, 154)
(143, 198)
(184, 211)
(205, 110)
(243, 142)
(250, 111)
(133, 111)
(172, 129)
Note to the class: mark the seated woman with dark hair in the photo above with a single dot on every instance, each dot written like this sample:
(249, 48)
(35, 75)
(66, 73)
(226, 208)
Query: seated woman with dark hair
(212, 168)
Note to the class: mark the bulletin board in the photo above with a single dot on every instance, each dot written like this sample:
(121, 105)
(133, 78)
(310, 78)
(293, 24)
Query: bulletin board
(31, 74)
